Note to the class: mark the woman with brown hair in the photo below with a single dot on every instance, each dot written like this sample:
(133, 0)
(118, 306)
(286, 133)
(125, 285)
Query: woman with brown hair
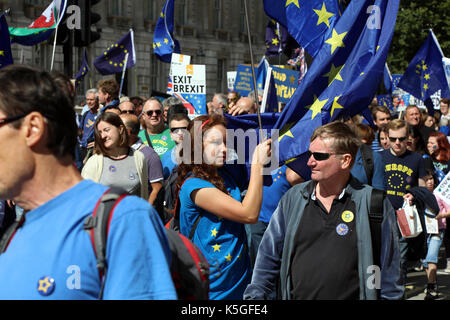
(439, 149)
(212, 214)
(114, 163)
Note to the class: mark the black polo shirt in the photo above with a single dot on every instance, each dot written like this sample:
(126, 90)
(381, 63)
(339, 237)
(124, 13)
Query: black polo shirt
(324, 263)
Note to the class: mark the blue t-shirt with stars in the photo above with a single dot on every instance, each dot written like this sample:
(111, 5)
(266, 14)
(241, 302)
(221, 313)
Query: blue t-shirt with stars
(222, 241)
(401, 173)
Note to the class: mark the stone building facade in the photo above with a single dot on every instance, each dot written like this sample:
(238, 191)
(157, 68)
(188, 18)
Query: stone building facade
(212, 32)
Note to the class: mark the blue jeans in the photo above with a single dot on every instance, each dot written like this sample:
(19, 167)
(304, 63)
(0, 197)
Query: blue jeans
(434, 242)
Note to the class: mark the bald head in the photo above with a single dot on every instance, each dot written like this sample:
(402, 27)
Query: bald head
(131, 122)
(127, 107)
(247, 104)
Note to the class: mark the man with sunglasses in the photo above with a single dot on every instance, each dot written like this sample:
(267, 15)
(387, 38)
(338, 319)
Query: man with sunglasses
(404, 170)
(155, 133)
(127, 107)
(318, 243)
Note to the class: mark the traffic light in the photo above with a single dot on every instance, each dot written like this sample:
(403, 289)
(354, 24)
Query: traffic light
(86, 36)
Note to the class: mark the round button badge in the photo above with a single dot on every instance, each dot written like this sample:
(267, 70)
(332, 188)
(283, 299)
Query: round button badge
(347, 216)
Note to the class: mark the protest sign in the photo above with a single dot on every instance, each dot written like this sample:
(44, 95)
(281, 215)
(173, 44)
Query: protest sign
(189, 85)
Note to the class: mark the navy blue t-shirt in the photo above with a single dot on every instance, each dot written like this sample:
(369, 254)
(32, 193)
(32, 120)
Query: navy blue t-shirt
(401, 173)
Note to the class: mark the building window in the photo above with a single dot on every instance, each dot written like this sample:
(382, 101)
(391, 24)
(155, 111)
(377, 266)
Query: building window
(152, 11)
(218, 14)
(116, 8)
(221, 76)
(154, 73)
(243, 23)
(182, 12)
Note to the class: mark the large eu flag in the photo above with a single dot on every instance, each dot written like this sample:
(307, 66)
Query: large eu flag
(425, 74)
(5, 43)
(164, 43)
(344, 76)
(310, 22)
(112, 60)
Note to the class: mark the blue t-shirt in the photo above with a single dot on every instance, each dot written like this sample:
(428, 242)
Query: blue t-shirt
(222, 241)
(52, 253)
(273, 193)
(168, 162)
(88, 128)
(401, 173)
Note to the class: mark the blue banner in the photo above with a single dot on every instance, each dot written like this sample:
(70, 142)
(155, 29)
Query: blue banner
(286, 81)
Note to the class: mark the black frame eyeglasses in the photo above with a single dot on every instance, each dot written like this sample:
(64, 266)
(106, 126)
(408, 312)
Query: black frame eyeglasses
(149, 113)
(320, 156)
(179, 128)
(394, 139)
(12, 119)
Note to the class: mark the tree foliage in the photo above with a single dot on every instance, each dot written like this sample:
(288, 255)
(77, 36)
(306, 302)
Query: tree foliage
(415, 18)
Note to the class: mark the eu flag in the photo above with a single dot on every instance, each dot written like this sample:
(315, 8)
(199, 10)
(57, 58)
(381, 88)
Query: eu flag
(310, 22)
(112, 60)
(344, 76)
(278, 40)
(5, 44)
(84, 69)
(425, 74)
(164, 43)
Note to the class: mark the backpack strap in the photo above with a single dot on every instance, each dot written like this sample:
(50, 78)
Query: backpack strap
(98, 227)
(9, 233)
(148, 138)
(174, 223)
(367, 157)
(375, 221)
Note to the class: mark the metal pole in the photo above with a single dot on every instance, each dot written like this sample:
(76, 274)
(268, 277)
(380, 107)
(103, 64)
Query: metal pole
(253, 69)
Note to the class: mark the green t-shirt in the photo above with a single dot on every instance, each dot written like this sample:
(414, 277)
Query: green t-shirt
(161, 142)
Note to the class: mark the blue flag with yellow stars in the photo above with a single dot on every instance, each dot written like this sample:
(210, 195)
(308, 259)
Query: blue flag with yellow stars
(309, 22)
(112, 60)
(84, 69)
(343, 77)
(425, 74)
(278, 40)
(164, 43)
(5, 44)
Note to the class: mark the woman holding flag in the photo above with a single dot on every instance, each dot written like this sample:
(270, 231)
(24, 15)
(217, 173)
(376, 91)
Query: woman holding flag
(212, 213)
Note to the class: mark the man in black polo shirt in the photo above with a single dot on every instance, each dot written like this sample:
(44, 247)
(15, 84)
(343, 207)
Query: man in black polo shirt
(318, 242)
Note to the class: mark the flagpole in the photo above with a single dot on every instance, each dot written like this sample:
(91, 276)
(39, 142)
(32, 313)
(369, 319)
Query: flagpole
(253, 68)
(123, 74)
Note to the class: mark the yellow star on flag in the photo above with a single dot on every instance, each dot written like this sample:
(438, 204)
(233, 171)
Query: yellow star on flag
(166, 41)
(427, 76)
(216, 247)
(334, 74)
(317, 106)
(154, 45)
(275, 41)
(424, 67)
(336, 40)
(425, 86)
(335, 105)
(324, 15)
(228, 257)
(2, 53)
(214, 232)
(288, 2)
(158, 44)
(286, 131)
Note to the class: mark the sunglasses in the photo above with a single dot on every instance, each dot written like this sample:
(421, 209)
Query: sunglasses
(393, 139)
(179, 128)
(127, 111)
(12, 119)
(320, 156)
(151, 112)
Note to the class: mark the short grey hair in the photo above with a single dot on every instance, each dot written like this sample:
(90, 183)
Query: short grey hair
(92, 90)
(222, 98)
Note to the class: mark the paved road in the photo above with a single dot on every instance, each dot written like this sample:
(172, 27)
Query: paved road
(416, 282)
